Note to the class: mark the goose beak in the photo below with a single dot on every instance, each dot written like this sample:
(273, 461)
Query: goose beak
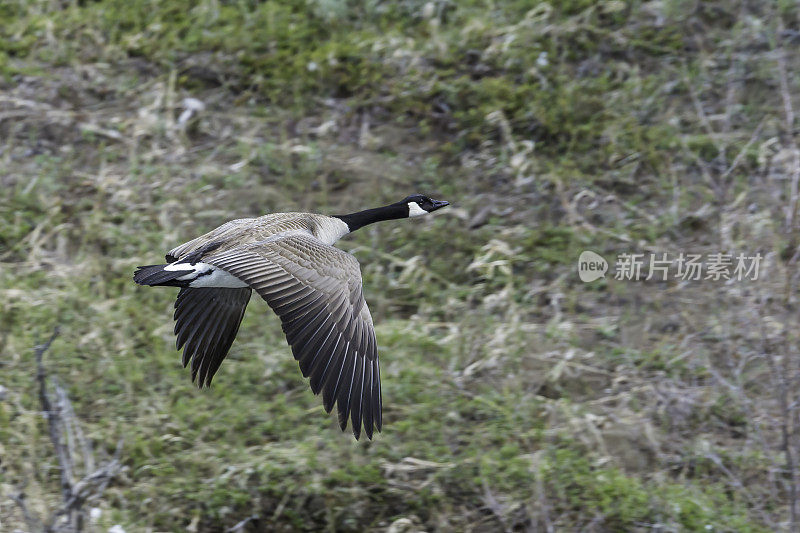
(438, 204)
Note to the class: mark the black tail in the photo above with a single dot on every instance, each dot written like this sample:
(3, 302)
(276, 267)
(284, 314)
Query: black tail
(156, 275)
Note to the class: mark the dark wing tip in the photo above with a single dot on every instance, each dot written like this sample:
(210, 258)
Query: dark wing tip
(207, 321)
(368, 428)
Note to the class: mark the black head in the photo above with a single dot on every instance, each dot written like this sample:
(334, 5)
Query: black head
(422, 205)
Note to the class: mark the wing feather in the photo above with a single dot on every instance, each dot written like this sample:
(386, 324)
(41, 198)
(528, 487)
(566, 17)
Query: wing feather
(206, 323)
(316, 290)
(346, 388)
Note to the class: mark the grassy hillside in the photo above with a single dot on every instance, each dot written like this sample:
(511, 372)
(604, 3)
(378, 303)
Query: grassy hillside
(516, 397)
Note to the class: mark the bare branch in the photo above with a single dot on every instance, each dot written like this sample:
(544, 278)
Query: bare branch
(33, 523)
(779, 379)
(239, 526)
(788, 112)
(701, 114)
(65, 434)
(738, 159)
(53, 418)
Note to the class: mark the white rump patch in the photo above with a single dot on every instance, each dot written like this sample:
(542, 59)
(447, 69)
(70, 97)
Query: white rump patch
(195, 268)
(205, 275)
(219, 278)
(414, 210)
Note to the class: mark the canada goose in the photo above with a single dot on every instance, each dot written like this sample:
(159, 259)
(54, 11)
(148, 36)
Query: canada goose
(290, 261)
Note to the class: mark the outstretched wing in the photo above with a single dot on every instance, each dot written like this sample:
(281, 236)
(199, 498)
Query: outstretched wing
(206, 322)
(316, 291)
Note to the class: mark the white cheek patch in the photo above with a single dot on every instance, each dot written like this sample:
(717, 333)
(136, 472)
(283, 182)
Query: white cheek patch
(414, 210)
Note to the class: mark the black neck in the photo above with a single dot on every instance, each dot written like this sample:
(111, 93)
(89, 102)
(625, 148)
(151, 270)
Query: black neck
(362, 218)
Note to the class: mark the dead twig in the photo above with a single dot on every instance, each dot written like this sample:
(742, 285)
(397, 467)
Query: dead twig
(791, 211)
(738, 159)
(65, 432)
(239, 526)
(491, 503)
(788, 371)
(33, 523)
(53, 417)
(779, 379)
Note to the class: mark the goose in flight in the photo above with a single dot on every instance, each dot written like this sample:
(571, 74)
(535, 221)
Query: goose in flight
(316, 290)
